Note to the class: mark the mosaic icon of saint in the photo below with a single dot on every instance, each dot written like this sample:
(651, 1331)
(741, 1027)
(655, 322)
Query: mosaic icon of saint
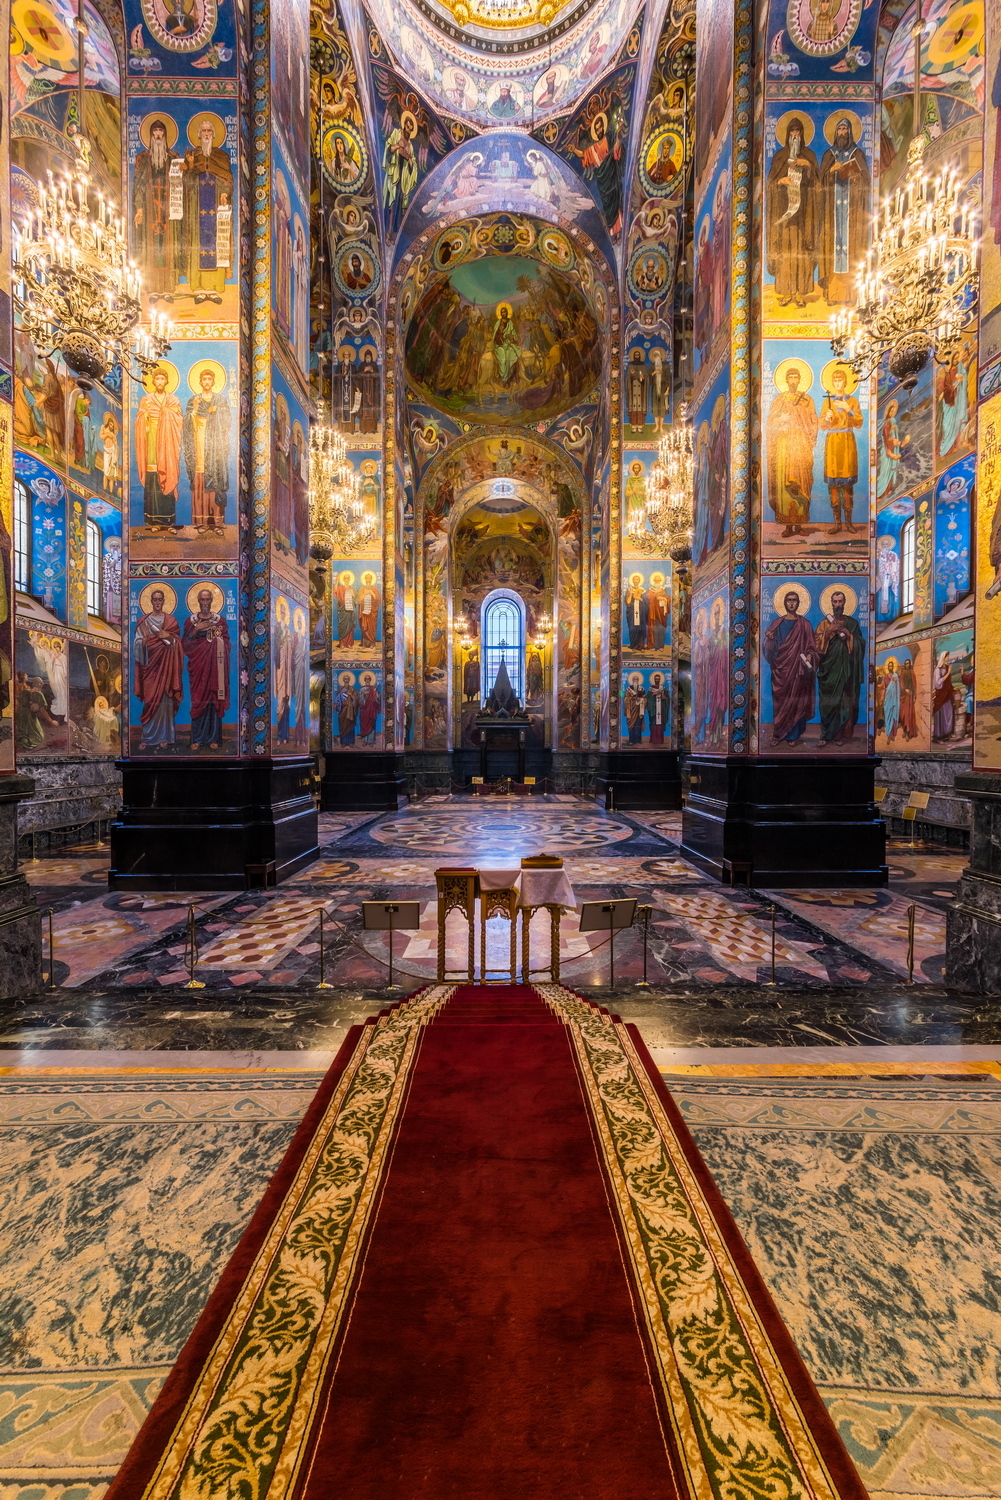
(157, 665)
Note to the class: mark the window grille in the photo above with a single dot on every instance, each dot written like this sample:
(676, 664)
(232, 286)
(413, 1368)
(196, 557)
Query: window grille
(93, 568)
(22, 537)
(907, 567)
(503, 633)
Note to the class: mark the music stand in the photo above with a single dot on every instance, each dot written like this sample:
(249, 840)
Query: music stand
(391, 916)
(610, 917)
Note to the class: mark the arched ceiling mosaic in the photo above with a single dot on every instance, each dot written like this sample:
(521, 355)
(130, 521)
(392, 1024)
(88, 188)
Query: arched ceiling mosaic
(501, 321)
(504, 171)
(503, 498)
(503, 340)
(499, 475)
(504, 62)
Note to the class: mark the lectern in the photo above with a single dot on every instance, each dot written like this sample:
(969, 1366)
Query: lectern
(391, 916)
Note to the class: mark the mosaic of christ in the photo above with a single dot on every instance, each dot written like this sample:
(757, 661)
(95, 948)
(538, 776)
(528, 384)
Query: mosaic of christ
(503, 339)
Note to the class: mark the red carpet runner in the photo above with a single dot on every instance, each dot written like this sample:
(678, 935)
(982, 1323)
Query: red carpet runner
(491, 1265)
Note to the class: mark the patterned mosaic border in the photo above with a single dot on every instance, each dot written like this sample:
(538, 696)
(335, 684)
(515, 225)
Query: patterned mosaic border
(741, 717)
(738, 1423)
(252, 1408)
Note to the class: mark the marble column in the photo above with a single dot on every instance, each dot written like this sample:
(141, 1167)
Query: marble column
(973, 924)
(217, 774)
(781, 751)
(20, 928)
(20, 945)
(973, 921)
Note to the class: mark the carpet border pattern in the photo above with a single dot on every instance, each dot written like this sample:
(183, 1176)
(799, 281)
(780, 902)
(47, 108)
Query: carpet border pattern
(733, 1398)
(244, 1426)
(236, 1419)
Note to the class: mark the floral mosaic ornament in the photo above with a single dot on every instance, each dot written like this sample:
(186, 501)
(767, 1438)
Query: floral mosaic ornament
(741, 1415)
(738, 1421)
(243, 1428)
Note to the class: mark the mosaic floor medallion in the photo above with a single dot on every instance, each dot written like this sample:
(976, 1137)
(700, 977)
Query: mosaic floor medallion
(469, 834)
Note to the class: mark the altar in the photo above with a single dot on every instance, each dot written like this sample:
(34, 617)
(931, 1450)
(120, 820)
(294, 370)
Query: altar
(503, 891)
(502, 743)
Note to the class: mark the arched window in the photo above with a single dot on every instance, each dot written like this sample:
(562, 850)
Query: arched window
(22, 537)
(502, 633)
(907, 567)
(93, 568)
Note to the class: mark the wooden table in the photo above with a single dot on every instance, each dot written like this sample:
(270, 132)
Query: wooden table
(458, 888)
(534, 889)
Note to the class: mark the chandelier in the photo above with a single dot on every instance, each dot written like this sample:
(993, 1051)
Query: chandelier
(75, 288)
(338, 519)
(665, 522)
(916, 292)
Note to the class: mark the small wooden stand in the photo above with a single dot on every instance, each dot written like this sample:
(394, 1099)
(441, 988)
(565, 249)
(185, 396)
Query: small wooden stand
(527, 913)
(458, 888)
(500, 903)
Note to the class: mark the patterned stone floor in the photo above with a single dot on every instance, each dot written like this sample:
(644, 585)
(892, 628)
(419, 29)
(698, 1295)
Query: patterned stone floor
(130, 1106)
(124, 1193)
(870, 1205)
(699, 934)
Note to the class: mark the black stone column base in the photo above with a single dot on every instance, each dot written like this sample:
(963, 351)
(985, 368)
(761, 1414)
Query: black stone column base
(20, 924)
(213, 825)
(638, 779)
(973, 921)
(356, 781)
(785, 822)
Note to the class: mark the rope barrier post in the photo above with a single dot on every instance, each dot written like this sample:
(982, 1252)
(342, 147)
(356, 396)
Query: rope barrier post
(611, 958)
(911, 910)
(770, 982)
(50, 980)
(646, 912)
(390, 985)
(323, 985)
(192, 947)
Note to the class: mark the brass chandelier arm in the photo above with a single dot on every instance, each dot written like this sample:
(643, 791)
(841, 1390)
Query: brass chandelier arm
(917, 291)
(75, 288)
(664, 525)
(337, 515)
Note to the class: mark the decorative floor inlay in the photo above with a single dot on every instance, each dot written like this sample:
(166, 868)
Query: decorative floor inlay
(876, 922)
(263, 939)
(740, 941)
(871, 1207)
(478, 832)
(123, 1196)
(705, 934)
(89, 938)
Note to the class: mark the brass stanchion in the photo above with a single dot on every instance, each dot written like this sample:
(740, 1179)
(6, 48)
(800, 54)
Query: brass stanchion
(771, 981)
(645, 912)
(323, 985)
(191, 949)
(391, 910)
(911, 910)
(611, 948)
(51, 977)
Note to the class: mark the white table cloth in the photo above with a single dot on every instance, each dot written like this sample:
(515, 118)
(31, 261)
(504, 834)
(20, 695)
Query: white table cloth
(534, 887)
